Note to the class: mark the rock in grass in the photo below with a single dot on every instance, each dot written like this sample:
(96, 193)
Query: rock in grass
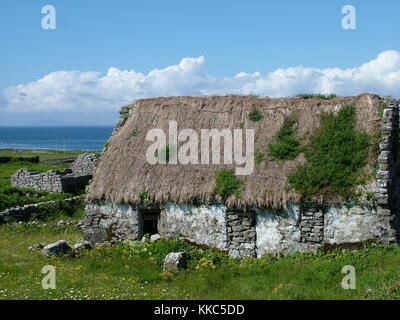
(39, 246)
(57, 248)
(84, 245)
(174, 262)
(155, 237)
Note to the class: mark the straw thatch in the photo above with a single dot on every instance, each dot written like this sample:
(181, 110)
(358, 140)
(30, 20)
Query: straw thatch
(123, 171)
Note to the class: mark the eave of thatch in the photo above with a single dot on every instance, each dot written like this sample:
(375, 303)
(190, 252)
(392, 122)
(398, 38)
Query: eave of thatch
(123, 171)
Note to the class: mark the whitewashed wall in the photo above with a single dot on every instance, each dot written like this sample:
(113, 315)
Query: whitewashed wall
(203, 224)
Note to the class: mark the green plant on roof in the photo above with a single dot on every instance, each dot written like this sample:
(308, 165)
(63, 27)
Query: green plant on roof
(227, 184)
(286, 146)
(135, 132)
(336, 155)
(255, 115)
(124, 114)
(253, 94)
(259, 157)
(318, 96)
(144, 194)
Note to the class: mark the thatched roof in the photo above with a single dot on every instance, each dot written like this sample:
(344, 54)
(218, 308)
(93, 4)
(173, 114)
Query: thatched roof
(123, 171)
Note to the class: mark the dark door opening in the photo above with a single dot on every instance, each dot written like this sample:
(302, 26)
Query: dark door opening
(150, 222)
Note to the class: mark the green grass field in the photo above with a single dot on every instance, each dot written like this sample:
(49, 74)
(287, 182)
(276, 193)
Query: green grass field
(134, 271)
(44, 154)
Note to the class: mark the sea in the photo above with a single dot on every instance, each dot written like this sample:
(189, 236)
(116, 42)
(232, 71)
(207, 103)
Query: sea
(58, 138)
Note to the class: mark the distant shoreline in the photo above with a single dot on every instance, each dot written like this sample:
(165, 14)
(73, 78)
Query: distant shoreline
(55, 138)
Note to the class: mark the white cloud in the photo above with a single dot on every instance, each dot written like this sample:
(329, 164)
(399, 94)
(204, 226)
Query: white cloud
(75, 91)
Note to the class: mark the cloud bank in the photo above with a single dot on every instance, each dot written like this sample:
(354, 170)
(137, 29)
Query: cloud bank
(76, 91)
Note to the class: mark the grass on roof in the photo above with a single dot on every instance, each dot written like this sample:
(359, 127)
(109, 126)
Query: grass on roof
(336, 155)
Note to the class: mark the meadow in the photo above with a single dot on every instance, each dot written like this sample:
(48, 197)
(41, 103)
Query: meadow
(133, 270)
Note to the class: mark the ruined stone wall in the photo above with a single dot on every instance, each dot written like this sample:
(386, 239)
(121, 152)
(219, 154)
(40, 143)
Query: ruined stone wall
(52, 181)
(24, 213)
(85, 164)
(69, 180)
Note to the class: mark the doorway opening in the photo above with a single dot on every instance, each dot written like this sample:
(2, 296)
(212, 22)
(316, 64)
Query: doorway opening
(150, 221)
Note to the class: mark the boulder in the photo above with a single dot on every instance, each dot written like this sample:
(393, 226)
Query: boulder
(84, 245)
(155, 237)
(174, 262)
(39, 246)
(57, 248)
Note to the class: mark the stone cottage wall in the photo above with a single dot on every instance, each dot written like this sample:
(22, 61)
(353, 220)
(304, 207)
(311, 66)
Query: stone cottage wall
(388, 168)
(278, 231)
(253, 233)
(241, 230)
(200, 224)
(108, 222)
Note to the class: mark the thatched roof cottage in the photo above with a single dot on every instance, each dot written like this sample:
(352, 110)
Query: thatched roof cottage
(276, 174)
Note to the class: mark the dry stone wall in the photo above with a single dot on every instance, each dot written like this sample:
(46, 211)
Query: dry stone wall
(85, 164)
(312, 224)
(52, 181)
(23, 213)
(69, 180)
(241, 234)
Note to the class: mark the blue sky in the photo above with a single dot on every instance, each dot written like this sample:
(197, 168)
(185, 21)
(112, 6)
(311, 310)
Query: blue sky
(141, 36)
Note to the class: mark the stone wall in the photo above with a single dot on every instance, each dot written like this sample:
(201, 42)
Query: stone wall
(388, 168)
(199, 224)
(108, 222)
(356, 224)
(69, 180)
(52, 181)
(312, 223)
(256, 232)
(25, 212)
(241, 229)
(280, 231)
(303, 228)
(85, 164)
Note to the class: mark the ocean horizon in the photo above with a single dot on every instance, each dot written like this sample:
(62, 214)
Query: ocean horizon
(86, 138)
